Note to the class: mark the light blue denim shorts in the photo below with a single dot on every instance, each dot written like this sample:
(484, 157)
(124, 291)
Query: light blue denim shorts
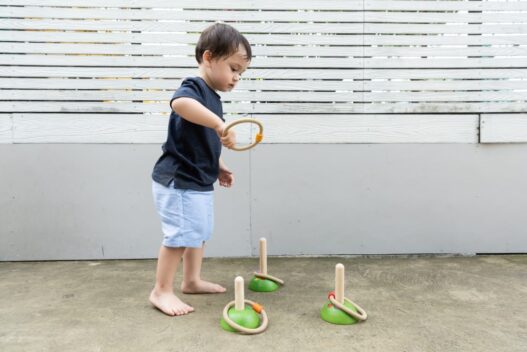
(187, 216)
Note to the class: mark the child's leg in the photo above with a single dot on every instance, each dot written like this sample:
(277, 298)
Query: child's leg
(192, 282)
(162, 296)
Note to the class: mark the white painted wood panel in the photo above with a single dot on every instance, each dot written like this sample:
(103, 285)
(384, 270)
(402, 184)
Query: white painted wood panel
(267, 62)
(370, 128)
(96, 128)
(256, 73)
(331, 59)
(290, 27)
(377, 5)
(256, 15)
(389, 108)
(260, 108)
(504, 128)
(34, 32)
(504, 83)
(287, 16)
(64, 128)
(275, 97)
(6, 128)
(298, 51)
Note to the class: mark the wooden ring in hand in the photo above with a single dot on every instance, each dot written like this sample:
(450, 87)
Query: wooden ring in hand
(259, 135)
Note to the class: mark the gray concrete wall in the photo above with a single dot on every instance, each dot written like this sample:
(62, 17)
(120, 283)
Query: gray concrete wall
(93, 201)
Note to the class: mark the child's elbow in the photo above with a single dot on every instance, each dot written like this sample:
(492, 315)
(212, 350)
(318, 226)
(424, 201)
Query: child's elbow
(176, 105)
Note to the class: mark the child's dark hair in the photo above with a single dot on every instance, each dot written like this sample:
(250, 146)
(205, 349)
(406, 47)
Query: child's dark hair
(222, 40)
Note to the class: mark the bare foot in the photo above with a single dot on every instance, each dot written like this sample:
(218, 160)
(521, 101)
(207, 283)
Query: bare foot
(169, 304)
(201, 287)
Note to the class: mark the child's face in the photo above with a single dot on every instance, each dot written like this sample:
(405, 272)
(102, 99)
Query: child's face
(224, 73)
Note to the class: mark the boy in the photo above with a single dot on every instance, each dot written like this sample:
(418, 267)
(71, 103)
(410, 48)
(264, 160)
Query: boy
(183, 176)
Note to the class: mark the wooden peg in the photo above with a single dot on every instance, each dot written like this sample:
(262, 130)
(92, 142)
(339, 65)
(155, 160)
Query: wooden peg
(339, 283)
(239, 294)
(263, 256)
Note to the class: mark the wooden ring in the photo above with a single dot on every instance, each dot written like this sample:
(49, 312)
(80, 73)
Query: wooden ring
(361, 315)
(242, 329)
(269, 277)
(259, 135)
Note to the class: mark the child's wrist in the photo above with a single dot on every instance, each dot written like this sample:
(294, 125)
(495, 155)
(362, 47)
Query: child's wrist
(219, 128)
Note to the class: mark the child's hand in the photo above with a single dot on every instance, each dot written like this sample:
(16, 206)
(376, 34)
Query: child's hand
(225, 177)
(229, 140)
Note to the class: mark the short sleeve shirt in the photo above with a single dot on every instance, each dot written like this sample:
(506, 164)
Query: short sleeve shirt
(191, 152)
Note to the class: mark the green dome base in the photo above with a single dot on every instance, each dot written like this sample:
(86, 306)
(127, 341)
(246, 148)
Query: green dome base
(262, 285)
(247, 318)
(333, 315)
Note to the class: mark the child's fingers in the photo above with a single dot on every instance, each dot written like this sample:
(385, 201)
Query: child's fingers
(228, 142)
(226, 181)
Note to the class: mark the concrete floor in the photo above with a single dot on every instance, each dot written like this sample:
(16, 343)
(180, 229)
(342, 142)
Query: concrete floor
(414, 304)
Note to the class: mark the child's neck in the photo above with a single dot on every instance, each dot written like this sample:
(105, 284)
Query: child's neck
(203, 75)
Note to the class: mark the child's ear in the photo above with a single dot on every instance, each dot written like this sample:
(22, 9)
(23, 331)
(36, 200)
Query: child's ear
(207, 57)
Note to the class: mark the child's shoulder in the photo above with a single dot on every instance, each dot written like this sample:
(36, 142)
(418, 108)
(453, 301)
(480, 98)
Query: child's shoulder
(196, 84)
(191, 82)
(199, 86)
(191, 85)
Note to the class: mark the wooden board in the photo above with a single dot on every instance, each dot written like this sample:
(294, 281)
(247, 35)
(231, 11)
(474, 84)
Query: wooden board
(503, 128)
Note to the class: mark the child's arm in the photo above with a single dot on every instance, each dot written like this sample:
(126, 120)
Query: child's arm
(191, 110)
(223, 166)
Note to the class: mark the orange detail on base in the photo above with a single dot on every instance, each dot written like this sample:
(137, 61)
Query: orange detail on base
(259, 137)
(257, 308)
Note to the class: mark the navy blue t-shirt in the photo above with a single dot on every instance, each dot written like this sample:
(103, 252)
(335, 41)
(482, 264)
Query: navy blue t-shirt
(191, 152)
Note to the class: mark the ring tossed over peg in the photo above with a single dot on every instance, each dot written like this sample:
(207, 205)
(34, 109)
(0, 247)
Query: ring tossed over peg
(262, 281)
(258, 138)
(237, 317)
(339, 309)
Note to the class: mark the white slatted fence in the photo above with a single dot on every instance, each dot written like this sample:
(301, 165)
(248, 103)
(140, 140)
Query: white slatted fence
(340, 71)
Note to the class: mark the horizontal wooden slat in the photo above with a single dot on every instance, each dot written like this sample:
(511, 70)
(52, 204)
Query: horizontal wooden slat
(187, 62)
(244, 5)
(503, 128)
(291, 73)
(32, 128)
(96, 128)
(298, 51)
(65, 128)
(276, 97)
(281, 108)
(370, 128)
(257, 27)
(389, 108)
(29, 35)
(377, 5)
(275, 16)
(256, 15)
(167, 14)
(275, 85)
(106, 108)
